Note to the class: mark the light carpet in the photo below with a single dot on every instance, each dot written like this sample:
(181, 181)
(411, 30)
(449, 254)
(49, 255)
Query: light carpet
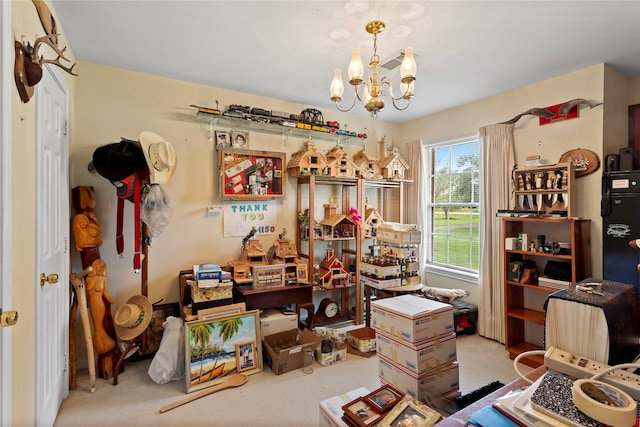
(290, 399)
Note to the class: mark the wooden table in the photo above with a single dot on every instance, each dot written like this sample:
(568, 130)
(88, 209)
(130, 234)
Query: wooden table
(461, 417)
(299, 295)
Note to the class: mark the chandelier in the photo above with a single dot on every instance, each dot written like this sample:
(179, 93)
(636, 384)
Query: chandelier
(373, 89)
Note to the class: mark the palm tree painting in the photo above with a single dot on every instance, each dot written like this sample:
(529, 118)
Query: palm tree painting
(211, 346)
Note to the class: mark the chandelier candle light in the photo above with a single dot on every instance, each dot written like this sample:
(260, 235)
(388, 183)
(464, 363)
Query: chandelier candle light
(373, 89)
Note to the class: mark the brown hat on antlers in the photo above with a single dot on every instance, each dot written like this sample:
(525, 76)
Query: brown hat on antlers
(133, 317)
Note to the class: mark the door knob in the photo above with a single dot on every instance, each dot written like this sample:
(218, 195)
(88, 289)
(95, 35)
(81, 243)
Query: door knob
(8, 318)
(51, 278)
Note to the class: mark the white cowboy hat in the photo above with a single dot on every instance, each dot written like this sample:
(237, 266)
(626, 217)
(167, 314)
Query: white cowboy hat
(133, 317)
(160, 157)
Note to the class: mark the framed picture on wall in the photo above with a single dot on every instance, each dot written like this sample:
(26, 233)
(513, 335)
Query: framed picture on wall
(240, 139)
(223, 139)
(249, 174)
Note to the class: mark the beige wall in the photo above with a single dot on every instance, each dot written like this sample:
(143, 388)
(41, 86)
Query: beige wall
(550, 141)
(25, 22)
(114, 103)
(634, 91)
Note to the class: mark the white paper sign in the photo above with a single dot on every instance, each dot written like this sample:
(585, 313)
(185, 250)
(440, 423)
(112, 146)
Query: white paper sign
(240, 217)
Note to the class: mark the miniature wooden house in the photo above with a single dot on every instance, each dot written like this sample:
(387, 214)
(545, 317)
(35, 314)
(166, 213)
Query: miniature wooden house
(336, 226)
(285, 251)
(308, 161)
(368, 166)
(372, 219)
(252, 255)
(332, 273)
(393, 166)
(339, 164)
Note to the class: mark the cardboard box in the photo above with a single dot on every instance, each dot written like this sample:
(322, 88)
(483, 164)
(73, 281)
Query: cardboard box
(380, 283)
(398, 233)
(418, 359)
(207, 272)
(284, 353)
(412, 318)
(380, 271)
(273, 321)
(440, 382)
(364, 339)
(336, 356)
(331, 409)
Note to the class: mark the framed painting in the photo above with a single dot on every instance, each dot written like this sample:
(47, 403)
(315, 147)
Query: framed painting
(211, 348)
(361, 413)
(251, 175)
(410, 412)
(384, 398)
(223, 310)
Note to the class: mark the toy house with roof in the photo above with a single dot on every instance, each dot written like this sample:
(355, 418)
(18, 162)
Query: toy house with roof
(368, 167)
(285, 251)
(372, 219)
(252, 255)
(332, 273)
(339, 164)
(392, 166)
(307, 161)
(337, 226)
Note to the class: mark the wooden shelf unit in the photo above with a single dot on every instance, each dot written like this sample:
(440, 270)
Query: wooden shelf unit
(577, 231)
(539, 184)
(351, 190)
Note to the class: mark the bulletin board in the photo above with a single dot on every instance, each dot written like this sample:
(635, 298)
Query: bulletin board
(251, 174)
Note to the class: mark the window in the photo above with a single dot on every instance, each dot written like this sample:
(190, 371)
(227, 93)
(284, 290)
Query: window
(452, 228)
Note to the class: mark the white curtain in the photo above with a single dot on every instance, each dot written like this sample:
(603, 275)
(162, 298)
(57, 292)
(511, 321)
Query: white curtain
(497, 161)
(414, 194)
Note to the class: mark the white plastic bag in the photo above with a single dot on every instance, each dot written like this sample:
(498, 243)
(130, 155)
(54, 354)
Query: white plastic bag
(156, 210)
(168, 363)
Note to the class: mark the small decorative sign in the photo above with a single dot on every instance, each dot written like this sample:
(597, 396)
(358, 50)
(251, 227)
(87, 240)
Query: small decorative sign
(572, 114)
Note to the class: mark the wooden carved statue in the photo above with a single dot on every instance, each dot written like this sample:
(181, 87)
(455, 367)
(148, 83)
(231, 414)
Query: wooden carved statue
(88, 237)
(96, 295)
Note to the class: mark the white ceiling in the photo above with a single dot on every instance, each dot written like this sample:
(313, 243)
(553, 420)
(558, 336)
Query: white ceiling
(467, 50)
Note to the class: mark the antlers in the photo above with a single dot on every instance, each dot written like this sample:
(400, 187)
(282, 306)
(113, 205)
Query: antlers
(49, 41)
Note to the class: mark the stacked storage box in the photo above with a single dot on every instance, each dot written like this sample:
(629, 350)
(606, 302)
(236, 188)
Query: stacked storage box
(416, 345)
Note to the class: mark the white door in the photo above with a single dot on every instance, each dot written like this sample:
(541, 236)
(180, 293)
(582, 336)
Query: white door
(5, 208)
(52, 247)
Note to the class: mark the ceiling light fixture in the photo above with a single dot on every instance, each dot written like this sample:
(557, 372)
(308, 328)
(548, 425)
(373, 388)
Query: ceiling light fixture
(373, 89)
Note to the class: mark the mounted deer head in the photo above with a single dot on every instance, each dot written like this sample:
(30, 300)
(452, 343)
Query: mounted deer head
(29, 61)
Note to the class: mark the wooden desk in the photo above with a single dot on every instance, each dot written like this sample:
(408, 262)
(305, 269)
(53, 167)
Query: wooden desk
(299, 295)
(461, 417)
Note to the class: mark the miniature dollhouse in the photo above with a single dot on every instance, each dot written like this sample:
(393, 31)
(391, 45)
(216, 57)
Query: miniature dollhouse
(368, 167)
(252, 255)
(285, 251)
(337, 226)
(393, 166)
(308, 161)
(339, 164)
(332, 273)
(372, 219)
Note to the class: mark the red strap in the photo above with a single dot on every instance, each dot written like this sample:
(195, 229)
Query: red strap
(137, 242)
(119, 225)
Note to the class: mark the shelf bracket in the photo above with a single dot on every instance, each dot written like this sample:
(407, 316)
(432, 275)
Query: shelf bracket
(285, 136)
(212, 129)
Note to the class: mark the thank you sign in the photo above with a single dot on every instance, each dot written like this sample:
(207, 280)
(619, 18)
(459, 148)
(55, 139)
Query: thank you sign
(240, 217)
